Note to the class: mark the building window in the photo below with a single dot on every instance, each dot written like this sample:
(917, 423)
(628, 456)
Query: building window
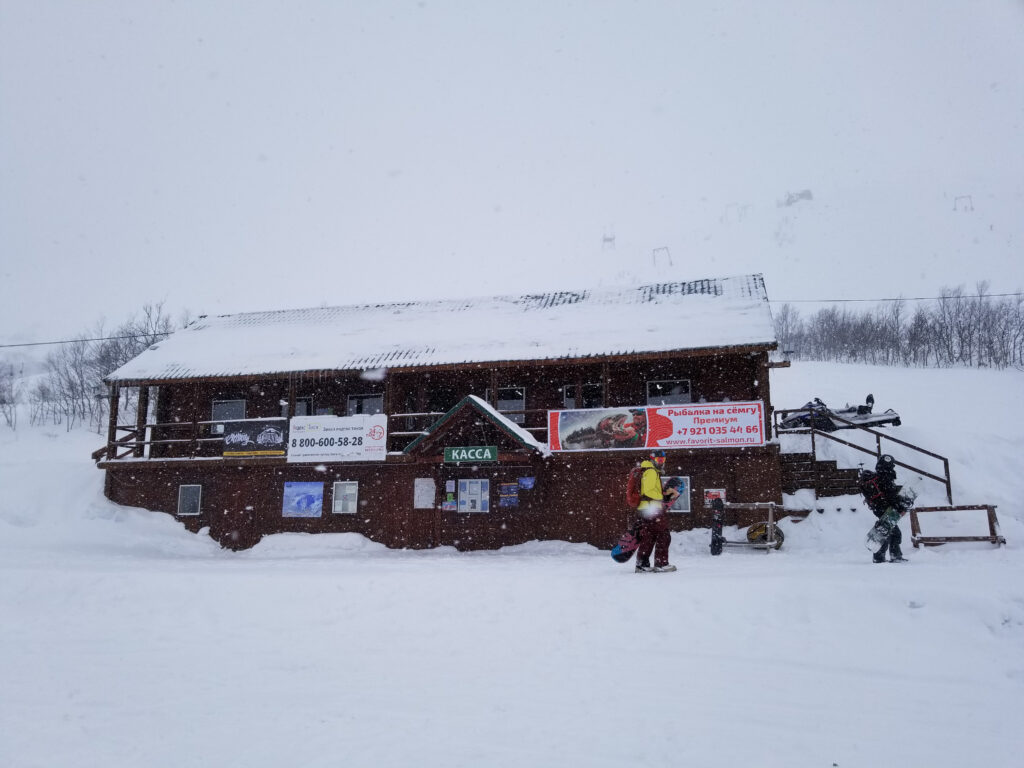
(365, 404)
(440, 398)
(593, 396)
(226, 410)
(189, 499)
(474, 495)
(674, 392)
(511, 399)
(345, 498)
(303, 407)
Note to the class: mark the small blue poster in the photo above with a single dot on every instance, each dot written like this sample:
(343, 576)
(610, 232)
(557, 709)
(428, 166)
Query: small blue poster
(303, 500)
(508, 495)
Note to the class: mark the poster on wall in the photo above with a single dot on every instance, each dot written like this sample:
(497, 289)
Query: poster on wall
(303, 500)
(697, 425)
(474, 496)
(508, 494)
(710, 494)
(255, 437)
(681, 484)
(338, 438)
(423, 492)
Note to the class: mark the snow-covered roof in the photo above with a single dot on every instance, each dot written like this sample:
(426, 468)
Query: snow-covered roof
(516, 432)
(664, 317)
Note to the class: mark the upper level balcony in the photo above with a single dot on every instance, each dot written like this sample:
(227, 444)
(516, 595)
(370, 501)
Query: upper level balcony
(204, 440)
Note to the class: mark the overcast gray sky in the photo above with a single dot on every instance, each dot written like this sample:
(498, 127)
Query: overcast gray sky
(230, 156)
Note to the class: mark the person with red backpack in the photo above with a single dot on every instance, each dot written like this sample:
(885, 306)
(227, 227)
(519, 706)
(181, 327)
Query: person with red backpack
(882, 494)
(654, 533)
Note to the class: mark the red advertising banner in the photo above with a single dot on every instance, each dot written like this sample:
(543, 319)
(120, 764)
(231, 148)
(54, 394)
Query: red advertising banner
(696, 425)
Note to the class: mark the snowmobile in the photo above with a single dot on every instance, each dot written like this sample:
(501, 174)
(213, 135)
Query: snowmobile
(819, 416)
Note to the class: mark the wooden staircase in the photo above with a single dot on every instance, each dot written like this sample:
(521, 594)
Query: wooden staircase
(802, 470)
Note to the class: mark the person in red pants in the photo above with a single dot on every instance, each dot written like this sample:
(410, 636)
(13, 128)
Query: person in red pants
(654, 533)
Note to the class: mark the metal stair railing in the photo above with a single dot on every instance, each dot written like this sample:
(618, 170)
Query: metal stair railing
(879, 436)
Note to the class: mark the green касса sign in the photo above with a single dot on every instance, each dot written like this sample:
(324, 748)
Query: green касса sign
(471, 453)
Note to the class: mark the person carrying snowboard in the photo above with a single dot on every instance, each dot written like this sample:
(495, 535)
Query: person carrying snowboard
(654, 535)
(882, 495)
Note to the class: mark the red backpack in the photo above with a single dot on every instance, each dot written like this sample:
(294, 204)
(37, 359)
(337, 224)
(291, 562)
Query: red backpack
(633, 486)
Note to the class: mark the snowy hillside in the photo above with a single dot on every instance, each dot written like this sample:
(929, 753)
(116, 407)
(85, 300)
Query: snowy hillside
(129, 642)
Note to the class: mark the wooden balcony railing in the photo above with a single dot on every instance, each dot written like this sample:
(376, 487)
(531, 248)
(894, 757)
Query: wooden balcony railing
(194, 439)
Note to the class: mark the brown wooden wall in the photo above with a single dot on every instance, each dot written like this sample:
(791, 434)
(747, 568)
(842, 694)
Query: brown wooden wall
(714, 378)
(577, 497)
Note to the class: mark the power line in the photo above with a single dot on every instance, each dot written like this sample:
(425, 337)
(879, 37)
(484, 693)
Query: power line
(899, 298)
(74, 341)
(770, 301)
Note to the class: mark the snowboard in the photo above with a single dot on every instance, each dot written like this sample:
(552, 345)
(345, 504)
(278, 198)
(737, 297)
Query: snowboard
(880, 531)
(627, 545)
(717, 513)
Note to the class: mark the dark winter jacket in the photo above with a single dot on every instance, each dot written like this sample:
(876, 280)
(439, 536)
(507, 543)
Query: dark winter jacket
(880, 491)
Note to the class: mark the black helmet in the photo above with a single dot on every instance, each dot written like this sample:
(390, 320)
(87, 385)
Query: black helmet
(885, 463)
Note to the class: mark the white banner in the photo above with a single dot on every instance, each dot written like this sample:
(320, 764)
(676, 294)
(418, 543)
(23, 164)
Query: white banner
(710, 425)
(337, 438)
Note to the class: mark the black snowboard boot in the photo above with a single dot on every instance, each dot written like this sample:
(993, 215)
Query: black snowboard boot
(895, 551)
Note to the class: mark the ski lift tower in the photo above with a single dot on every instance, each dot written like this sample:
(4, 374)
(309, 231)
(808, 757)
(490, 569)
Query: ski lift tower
(660, 252)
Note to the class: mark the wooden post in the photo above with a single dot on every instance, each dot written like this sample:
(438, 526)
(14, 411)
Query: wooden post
(389, 394)
(814, 463)
(141, 417)
(762, 393)
(194, 443)
(604, 384)
(115, 396)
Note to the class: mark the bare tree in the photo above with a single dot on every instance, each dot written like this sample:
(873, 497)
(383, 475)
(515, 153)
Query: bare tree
(74, 391)
(956, 329)
(788, 328)
(10, 394)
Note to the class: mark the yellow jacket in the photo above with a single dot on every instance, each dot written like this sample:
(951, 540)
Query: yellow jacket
(651, 495)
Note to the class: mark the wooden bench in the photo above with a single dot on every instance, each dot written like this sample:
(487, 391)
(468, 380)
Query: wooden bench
(930, 541)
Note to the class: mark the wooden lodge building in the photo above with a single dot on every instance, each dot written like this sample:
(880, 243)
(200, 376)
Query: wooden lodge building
(476, 423)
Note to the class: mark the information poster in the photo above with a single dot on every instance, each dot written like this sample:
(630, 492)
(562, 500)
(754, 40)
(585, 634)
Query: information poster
(508, 494)
(710, 494)
(338, 438)
(699, 425)
(423, 492)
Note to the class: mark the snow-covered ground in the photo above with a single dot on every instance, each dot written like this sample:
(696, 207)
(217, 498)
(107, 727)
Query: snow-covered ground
(128, 642)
